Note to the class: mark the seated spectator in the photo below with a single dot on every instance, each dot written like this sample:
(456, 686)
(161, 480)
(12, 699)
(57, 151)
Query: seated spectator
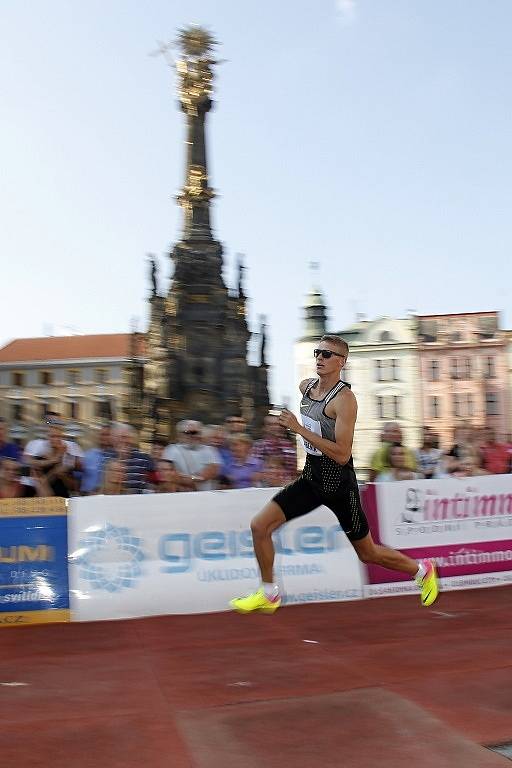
(397, 462)
(11, 486)
(216, 436)
(275, 442)
(7, 450)
(137, 466)
(198, 464)
(236, 424)
(274, 474)
(495, 456)
(429, 459)
(94, 461)
(113, 483)
(467, 467)
(168, 477)
(390, 435)
(245, 469)
(57, 459)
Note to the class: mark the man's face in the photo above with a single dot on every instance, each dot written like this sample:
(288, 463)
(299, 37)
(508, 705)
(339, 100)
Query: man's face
(236, 424)
(55, 435)
(394, 433)
(105, 437)
(191, 434)
(334, 363)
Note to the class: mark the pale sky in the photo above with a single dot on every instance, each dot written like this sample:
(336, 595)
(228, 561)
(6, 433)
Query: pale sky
(372, 136)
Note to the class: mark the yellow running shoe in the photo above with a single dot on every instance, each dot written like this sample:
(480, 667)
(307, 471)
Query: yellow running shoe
(428, 584)
(256, 602)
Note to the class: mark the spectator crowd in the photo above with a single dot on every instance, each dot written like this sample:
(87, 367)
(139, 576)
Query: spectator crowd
(202, 458)
(475, 451)
(219, 457)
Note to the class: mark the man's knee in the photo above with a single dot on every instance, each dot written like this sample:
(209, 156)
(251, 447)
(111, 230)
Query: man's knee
(268, 520)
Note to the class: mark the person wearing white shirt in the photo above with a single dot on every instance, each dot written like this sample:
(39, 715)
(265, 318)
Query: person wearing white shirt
(198, 465)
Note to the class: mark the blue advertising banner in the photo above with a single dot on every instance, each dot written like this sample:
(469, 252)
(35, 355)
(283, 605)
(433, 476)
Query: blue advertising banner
(33, 561)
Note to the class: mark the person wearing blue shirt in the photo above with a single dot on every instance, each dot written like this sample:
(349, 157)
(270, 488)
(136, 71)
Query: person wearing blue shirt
(94, 461)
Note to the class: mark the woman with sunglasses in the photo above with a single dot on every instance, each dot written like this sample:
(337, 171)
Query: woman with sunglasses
(328, 413)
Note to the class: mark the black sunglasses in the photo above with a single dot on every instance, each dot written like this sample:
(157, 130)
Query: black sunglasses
(326, 353)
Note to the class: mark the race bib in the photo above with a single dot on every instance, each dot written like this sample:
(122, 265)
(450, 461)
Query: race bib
(313, 426)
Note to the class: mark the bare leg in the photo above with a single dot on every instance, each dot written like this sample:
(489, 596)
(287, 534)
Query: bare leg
(263, 525)
(370, 552)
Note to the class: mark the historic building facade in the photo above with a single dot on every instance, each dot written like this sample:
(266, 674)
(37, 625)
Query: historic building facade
(82, 378)
(464, 368)
(198, 335)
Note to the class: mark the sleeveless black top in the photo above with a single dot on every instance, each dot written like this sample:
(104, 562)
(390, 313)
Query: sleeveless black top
(322, 471)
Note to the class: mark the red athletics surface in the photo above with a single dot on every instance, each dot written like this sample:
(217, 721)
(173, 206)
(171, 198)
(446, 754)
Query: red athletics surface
(385, 683)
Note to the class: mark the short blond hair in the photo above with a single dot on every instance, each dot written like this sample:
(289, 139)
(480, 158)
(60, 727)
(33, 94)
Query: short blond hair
(337, 341)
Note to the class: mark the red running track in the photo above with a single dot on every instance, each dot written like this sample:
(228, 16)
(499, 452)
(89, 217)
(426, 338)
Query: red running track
(381, 682)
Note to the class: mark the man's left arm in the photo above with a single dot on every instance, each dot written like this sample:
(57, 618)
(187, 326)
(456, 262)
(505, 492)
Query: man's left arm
(345, 406)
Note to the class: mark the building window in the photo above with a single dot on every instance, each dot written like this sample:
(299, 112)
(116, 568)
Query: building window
(454, 368)
(73, 377)
(74, 410)
(104, 410)
(434, 370)
(469, 404)
(395, 367)
(435, 408)
(491, 404)
(457, 408)
(385, 337)
(17, 412)
(101, 376)
(490, 368)
(45, 378)
(380, 408)
(396, 407)
(44, 407)
(467, 367)
(379, 370)
(18, 379)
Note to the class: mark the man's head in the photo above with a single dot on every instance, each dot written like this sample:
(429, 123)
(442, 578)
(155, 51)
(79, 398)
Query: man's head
(391, 433)
(331, 355)
(55, 433)
(214, 435)
(236, 423)
(125, 437)
(189, 432)
(105, 437)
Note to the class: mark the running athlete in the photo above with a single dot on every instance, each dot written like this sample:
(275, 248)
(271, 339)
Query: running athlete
(328, 412)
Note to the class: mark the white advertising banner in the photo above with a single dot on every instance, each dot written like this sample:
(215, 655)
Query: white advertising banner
(192, 552)
(429, 513)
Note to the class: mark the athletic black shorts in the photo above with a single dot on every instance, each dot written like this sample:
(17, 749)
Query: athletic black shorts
(301, 497)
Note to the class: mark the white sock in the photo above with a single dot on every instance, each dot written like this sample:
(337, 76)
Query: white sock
(421, 572)
(270, 590)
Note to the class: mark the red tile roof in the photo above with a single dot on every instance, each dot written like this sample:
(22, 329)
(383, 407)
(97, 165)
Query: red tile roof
(68, 348)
